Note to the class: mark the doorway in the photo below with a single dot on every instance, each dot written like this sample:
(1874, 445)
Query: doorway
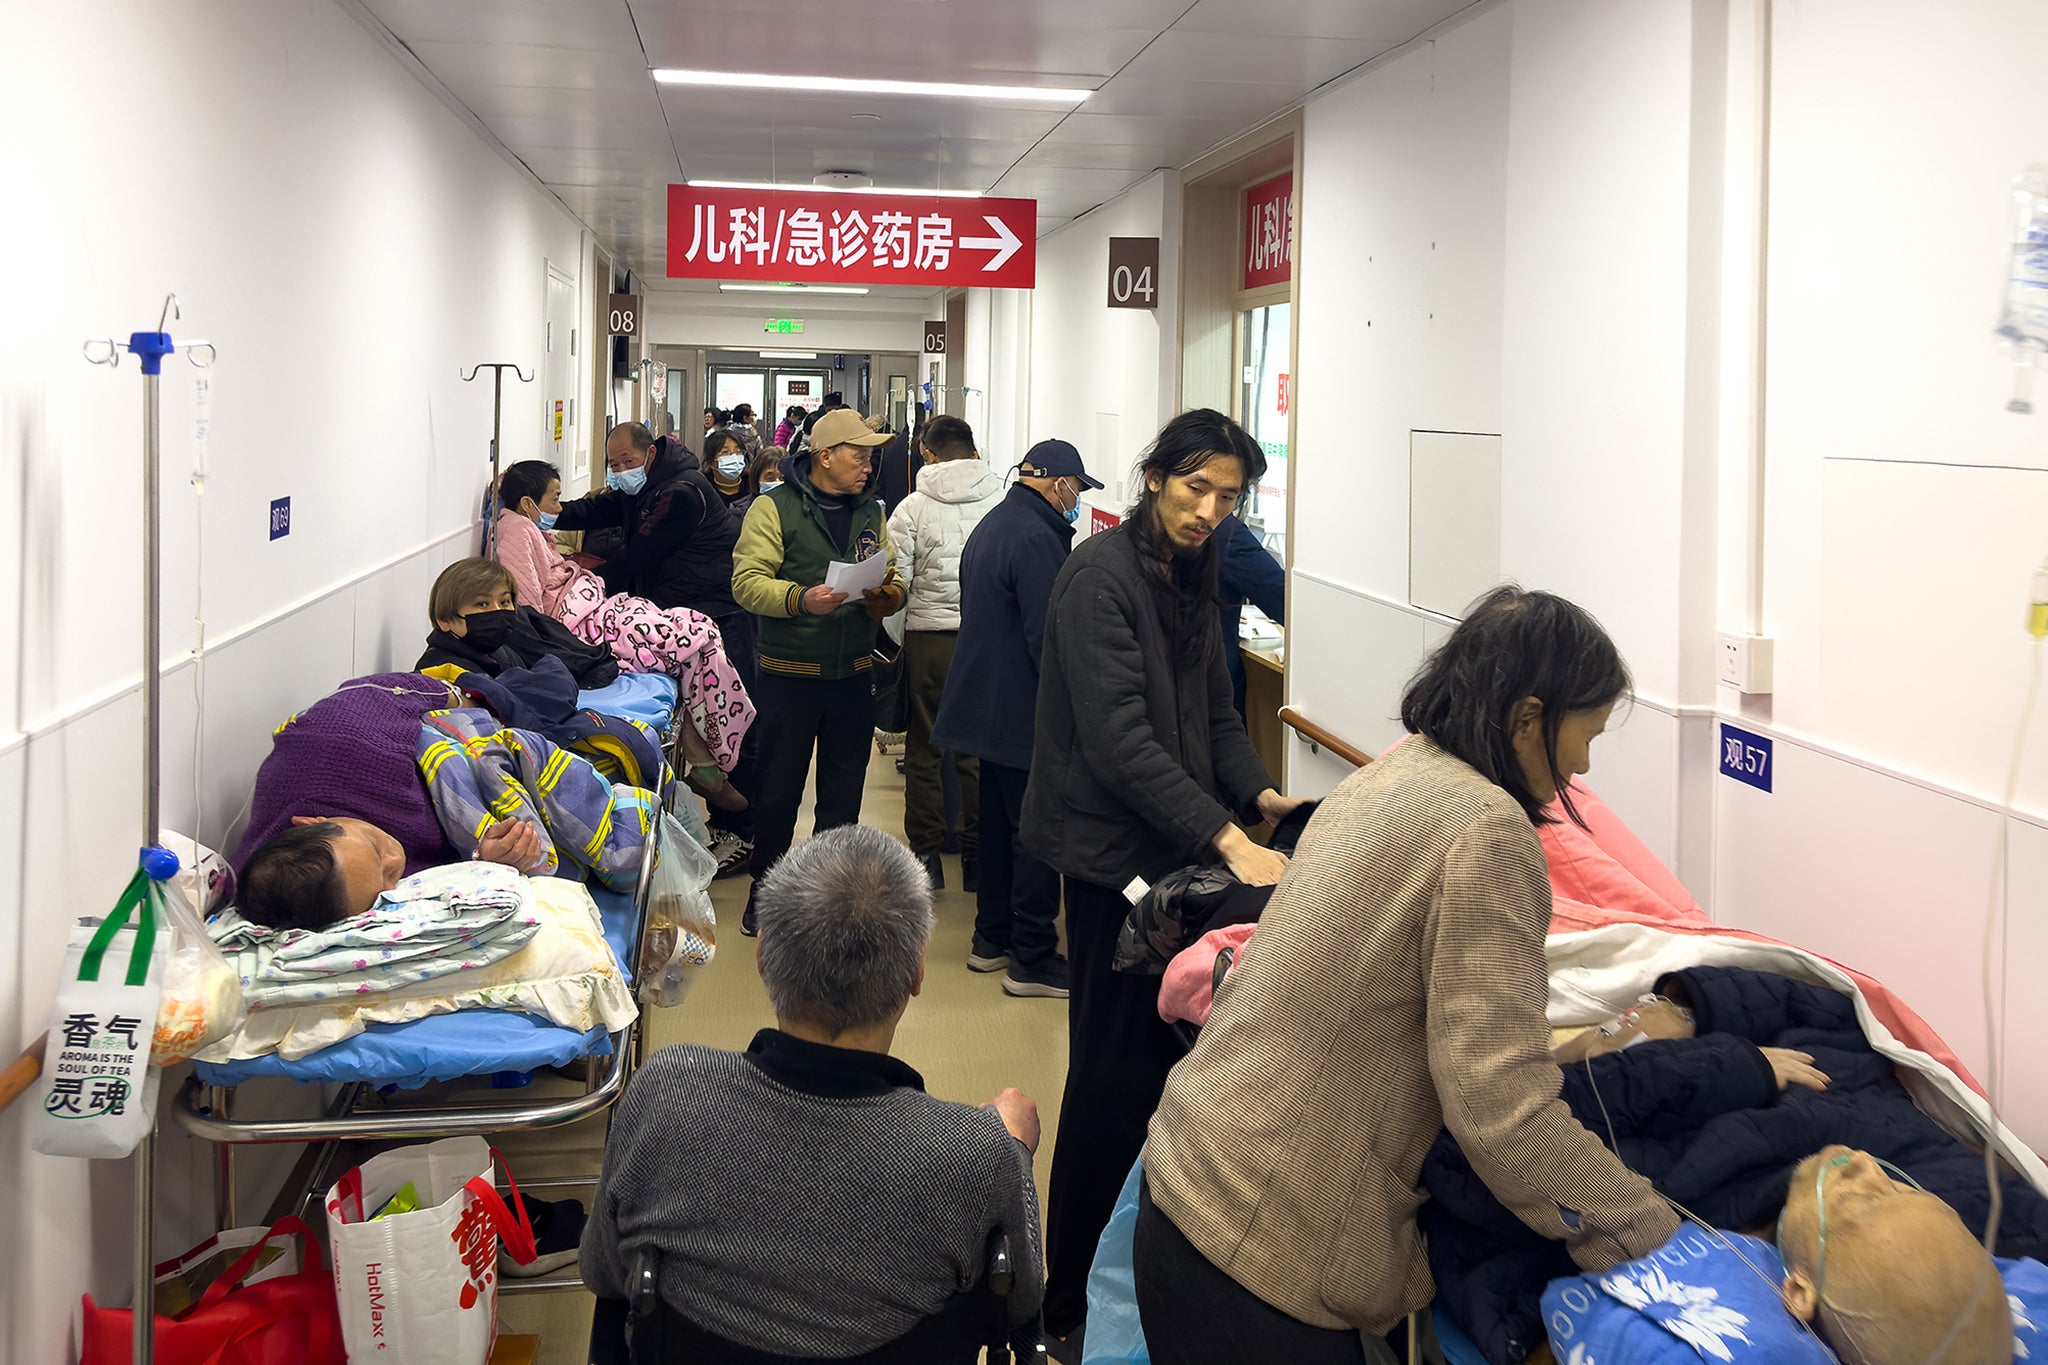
(558, 368)
(1263, 398)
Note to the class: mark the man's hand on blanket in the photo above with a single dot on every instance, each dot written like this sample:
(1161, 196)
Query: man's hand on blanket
(512, 842)
(1794, 1068)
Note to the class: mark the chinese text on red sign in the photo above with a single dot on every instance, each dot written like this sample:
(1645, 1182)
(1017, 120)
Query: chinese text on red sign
(822, 237)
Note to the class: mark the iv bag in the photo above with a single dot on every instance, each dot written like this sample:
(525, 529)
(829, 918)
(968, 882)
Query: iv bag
(2023, 320)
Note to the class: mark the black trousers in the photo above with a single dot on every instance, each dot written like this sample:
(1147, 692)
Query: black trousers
(1018, 904)
(741, 635)
(1118, 1054)
(798, 716)
(927, 658)
(1195, 1314)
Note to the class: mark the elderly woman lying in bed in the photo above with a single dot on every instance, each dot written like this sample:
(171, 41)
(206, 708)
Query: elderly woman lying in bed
(1721, 1089)
(395, 773)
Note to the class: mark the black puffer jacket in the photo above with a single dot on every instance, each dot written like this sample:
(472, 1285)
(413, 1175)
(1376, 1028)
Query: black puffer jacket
(1138, 761)
(678, 535)
(1702, 1117)
(534, 636)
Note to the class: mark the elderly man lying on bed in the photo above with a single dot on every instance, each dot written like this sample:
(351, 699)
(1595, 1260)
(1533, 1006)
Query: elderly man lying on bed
(394, 773)
(1722, 1103)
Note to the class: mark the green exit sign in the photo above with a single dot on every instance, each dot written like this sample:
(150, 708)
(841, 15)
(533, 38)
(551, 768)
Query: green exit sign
(784, 326)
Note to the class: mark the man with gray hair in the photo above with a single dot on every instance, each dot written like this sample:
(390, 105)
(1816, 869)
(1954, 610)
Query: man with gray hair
(806, 1196)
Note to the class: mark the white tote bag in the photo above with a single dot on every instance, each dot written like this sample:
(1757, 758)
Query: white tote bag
(423, 1286)
(97, 1095)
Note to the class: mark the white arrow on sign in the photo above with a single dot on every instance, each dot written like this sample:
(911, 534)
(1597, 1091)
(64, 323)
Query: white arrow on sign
(1004, 243)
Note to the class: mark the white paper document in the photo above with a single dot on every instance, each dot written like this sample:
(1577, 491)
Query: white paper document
(855, 579)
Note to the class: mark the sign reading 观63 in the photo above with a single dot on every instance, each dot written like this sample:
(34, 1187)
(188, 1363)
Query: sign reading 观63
(823, 237)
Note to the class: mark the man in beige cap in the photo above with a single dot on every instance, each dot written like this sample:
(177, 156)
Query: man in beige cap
(815, 689)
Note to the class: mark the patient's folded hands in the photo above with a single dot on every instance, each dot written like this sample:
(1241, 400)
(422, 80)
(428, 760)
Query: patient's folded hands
(514, 843)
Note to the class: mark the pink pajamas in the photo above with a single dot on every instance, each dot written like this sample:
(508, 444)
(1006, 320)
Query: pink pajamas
(644, 638)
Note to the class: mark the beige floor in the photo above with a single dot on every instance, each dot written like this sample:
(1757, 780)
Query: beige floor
(967, 1038)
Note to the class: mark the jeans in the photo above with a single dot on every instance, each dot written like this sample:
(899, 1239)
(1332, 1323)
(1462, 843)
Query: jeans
(1018, 905)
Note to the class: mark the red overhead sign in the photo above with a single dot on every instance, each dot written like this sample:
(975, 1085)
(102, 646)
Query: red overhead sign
(820, 237)
(1269, 232)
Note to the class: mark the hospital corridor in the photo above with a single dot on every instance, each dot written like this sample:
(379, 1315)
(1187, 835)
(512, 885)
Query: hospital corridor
(1023, 682)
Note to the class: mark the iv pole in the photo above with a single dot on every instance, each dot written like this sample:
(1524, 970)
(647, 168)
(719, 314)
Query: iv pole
(150, 348)
(497, 368)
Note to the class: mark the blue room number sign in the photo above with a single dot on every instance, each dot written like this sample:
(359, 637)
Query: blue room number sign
(1746, 757)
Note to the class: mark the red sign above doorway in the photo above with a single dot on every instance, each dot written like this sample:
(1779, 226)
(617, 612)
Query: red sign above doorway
(1269, 232)
(816, 237)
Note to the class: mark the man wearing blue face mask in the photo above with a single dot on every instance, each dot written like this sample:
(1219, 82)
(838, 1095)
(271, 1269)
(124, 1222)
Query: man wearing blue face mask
(1006, 575)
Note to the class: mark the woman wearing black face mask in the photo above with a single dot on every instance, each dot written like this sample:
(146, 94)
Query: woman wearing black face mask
(480, 627)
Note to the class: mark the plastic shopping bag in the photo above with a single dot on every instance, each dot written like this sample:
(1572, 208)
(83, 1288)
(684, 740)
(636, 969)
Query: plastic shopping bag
(262, 1309)
(423, 1286)
(1115, 1336)
(201, 999)
(97, 1094)
(682, 928)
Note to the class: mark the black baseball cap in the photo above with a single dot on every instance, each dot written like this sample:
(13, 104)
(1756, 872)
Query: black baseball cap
(1057, 460)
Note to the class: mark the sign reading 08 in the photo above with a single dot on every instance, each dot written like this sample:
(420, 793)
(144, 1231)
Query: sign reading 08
(625, 315)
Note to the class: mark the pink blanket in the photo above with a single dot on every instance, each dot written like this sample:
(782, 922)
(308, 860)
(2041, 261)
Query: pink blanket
(1599, 875)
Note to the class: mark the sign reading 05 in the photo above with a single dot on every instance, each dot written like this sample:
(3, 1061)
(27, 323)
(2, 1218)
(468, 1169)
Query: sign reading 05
(934, 338)
(625, 318)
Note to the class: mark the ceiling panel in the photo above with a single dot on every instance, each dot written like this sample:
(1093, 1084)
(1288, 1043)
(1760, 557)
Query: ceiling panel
(1383, 23)
(565, 85)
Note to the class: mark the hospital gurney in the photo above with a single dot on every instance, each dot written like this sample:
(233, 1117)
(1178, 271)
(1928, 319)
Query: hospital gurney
(504, 1046)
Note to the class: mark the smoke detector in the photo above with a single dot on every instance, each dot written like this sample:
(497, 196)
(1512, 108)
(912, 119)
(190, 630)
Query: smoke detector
(843, 180)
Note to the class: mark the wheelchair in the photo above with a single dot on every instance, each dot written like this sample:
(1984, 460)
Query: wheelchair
(643, 1330)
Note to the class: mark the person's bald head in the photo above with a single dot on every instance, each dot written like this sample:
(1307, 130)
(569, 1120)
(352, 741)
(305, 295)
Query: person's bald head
(1898, 1273)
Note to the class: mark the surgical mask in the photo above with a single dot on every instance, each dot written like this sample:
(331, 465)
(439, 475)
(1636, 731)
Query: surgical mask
(627, 481)
(1073, 514)
(546, 521)
(732, 466)
(487, 630)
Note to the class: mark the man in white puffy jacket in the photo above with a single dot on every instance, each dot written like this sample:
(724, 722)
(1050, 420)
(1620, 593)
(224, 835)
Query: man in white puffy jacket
(955, 490)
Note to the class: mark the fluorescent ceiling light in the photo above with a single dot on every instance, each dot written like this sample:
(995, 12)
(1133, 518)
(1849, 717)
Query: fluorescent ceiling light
(843, 86)
(792, 289)
(832, 189)
(787, 355)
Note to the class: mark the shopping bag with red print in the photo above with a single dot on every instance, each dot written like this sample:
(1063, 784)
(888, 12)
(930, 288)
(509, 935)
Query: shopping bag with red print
(415, 1237)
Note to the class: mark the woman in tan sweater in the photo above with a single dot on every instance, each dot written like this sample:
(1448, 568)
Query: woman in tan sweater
(1396, 986)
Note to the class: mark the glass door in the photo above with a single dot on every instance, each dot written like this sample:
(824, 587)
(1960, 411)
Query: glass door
(731, 387)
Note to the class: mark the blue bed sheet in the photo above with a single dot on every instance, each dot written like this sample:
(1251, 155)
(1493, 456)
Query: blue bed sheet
(445, 1046)
(647, 697)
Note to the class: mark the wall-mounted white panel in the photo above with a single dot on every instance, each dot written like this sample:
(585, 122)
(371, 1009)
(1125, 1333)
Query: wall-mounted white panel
(1595, 328)
(1453, 519)
(1349, 656)
(1403, 209)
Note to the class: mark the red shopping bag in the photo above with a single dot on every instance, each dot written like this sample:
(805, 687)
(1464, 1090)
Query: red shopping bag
(288, 1320)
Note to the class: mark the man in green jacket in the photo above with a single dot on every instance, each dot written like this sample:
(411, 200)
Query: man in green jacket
(815, 688)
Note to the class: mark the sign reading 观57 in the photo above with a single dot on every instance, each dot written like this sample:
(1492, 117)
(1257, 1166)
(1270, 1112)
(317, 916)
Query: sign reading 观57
(822, 237)
(1746, 757)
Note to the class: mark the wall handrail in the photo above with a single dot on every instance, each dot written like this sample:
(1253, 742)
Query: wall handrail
(1318, 737)
(22, 1071)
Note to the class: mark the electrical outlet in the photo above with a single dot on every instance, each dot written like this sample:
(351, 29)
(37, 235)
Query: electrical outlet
(1743, 662)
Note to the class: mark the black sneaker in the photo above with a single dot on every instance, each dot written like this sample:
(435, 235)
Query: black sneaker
(749, 925)
(986, 957)
(1045, 980)
(934, 868)
(970, 875)
(557, 1229)
(737, 857)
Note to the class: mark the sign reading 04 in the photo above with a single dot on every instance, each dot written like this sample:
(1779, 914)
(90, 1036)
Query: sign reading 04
(1134, 272)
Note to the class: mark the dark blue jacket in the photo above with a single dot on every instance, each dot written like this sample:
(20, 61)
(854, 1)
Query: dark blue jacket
(1246, 572)
(1702, 1117)
(1006, 575)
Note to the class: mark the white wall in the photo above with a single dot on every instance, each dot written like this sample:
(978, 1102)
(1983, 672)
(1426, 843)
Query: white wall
(1543, 223)
(1102, 377)
(346, 242)
(844, 324)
